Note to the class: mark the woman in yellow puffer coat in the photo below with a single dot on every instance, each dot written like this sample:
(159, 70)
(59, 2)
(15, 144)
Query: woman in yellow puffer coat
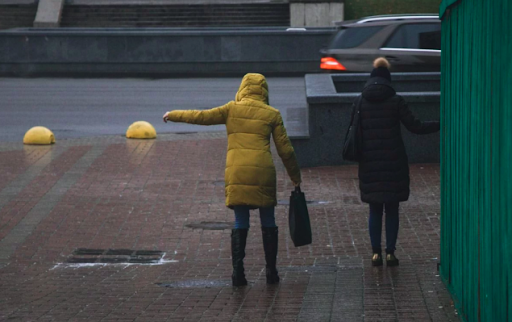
(250, 172)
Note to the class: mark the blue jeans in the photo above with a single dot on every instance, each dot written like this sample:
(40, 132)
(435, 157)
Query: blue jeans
(392, 224)
(267, 217)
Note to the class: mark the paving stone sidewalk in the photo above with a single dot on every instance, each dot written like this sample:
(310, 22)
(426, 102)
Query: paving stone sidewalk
(109, 229)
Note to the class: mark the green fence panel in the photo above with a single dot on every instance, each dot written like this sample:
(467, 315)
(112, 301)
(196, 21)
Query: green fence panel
(476, 157)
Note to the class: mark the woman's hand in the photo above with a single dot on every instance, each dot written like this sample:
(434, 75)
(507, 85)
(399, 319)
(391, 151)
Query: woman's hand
(297, 185)
(166, 117)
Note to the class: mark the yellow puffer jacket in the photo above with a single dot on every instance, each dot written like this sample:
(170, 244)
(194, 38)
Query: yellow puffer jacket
(250, 172)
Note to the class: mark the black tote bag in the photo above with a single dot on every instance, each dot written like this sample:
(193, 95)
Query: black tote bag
(300, 226)
(352, 145)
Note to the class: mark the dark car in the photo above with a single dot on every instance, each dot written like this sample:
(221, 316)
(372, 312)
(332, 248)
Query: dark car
(411, 43)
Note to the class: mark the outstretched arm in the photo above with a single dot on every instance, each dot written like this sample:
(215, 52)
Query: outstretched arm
(285, 150)
(412, 123)
(212, 116)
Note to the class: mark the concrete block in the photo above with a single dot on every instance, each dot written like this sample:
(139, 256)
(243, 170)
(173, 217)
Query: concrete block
(104, 51)
(330, 110)
(317, 14)
(336, 12)
(48, 13)
(212, 49)
(160, 2)
(17, 2)
(297, 15)
(231, 49)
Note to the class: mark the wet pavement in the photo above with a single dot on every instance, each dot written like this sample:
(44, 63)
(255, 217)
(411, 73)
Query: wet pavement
(88, 107)
(109, 229)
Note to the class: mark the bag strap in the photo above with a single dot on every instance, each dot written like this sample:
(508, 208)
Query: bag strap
(357, 108)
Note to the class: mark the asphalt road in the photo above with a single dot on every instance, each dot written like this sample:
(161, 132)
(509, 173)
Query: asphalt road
(74, 108)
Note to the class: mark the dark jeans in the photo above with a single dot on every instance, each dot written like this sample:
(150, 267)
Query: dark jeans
(375, 225)
(267, 217)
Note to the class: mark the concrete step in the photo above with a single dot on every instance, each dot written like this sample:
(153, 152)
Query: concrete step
(176, 15)
(16, 16)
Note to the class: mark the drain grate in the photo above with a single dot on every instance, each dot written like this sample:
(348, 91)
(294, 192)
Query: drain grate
(211, 225)
(196, 284)
(126, 252)
(149, 253)
(87, 251)
(115, 256)
(78, 260)
(114, 260)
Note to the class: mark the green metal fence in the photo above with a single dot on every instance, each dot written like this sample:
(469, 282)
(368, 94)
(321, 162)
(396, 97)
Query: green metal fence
(476, 157)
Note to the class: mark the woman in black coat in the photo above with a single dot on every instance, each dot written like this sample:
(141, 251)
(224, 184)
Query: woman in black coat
(384, 167)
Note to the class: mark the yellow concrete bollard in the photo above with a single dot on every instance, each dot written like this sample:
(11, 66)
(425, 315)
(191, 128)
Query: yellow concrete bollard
(39, 135)
(141, 130)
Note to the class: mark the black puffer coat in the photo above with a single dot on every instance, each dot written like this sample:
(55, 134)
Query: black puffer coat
(384, 167)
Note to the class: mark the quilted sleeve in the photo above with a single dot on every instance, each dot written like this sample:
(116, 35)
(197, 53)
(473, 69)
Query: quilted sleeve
(212, 116)
(412, 123)
(285, 150)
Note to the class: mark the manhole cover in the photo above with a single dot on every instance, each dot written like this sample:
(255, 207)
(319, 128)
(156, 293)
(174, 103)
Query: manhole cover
(210, 225)
(309, 202)
(196, 284)
(115, 256)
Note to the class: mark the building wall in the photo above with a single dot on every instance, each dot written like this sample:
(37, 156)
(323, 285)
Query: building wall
(476, 148)
(355, 9)
(322, 14)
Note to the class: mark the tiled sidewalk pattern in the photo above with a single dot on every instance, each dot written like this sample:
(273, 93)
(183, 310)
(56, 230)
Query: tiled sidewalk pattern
(112, 193)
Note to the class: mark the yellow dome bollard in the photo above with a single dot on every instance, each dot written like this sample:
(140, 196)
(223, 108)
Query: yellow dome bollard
(39, 135)
(141, 130)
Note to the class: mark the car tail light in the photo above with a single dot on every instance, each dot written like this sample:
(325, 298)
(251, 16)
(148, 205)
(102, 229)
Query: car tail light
(331, 63)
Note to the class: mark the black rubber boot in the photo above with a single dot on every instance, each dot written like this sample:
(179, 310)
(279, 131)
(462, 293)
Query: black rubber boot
(238, 242)
(270, 237)
(391, 259)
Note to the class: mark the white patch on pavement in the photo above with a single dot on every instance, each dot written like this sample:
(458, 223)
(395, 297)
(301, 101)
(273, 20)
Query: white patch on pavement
(84, 265)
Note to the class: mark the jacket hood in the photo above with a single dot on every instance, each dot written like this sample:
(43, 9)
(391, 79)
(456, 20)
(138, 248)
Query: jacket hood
(253, 87)
(378, 89)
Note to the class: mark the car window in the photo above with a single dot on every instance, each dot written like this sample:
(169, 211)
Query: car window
(353, 37)
(416, 36)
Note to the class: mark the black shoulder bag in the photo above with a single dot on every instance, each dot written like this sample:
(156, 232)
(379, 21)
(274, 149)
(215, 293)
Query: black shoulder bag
(353, 139)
